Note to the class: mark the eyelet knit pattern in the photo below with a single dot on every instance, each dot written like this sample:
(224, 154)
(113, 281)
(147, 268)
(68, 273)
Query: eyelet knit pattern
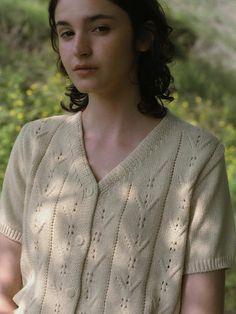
(120, 245)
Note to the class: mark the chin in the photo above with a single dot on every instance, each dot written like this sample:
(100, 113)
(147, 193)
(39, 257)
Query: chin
(83, 88)
(88, 88)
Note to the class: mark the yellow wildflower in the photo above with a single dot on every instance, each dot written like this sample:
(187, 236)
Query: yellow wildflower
(29, 92)
(18, 103)
(20, 115)
(198, 100)
(13, 96)
(34, 86)
(12, 113)
(45, 88)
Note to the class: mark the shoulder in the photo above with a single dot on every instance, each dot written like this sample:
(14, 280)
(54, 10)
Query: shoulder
(36, 136)
(195, 139)
(46, 125)
(190, 130)
(41, 130)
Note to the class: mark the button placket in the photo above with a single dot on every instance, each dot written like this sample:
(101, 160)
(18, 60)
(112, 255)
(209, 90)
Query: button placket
(89, 191)
(70, 292)
(79, 240)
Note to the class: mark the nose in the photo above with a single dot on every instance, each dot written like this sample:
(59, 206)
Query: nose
(82, 46)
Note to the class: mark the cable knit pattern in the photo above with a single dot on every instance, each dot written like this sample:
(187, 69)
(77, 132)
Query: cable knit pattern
(120, 245)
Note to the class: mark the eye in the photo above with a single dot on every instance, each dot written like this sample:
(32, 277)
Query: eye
(101, 29)
(66, 34)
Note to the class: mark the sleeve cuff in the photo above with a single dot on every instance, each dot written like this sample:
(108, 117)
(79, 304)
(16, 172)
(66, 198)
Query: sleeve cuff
(10, 233)
(209, 265)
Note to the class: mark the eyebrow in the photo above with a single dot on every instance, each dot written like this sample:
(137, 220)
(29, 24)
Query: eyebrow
(90, 19)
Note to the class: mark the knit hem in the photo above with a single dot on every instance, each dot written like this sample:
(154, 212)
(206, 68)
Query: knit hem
(11, 233)
(210, 265)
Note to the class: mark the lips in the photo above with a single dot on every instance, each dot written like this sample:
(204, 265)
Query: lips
(85, 67)
(84, 71)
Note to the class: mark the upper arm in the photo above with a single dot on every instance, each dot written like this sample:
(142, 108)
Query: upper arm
(203, 293)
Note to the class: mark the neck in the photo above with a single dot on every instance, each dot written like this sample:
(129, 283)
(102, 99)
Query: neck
(106, 115)
(116, 120)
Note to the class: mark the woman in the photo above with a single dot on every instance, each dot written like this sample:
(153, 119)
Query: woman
(120, 207)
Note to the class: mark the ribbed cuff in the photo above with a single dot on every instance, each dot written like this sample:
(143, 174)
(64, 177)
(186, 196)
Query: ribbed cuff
(11, 233)
(209, 265)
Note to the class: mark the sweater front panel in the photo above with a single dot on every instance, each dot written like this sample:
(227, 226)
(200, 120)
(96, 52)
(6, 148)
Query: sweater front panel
(120, 245)
(100, 238)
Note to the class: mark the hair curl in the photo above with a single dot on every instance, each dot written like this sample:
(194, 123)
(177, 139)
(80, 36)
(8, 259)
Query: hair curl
(154, 75)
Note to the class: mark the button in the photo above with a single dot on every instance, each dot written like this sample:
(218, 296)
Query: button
(79, 240)
(70, 292)
(89, 191)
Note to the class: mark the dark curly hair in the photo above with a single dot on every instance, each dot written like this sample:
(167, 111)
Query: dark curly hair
(154, 76)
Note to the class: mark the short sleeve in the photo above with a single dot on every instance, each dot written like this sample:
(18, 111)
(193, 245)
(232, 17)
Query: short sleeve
(211, 240)
(13, 192)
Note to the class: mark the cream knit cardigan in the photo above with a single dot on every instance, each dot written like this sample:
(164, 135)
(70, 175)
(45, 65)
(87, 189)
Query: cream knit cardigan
(120, 245)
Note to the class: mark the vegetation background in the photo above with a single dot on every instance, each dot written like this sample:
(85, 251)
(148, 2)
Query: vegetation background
(204, 71)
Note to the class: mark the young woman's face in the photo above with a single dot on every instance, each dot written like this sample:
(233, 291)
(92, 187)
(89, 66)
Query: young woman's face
(96, 45)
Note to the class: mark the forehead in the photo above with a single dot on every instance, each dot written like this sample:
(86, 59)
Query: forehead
(80, 9)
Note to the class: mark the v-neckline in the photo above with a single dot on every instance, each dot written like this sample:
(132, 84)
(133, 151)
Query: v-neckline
(131, 160)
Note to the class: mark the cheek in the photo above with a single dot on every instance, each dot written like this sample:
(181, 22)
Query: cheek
(65, 54)
(119, 51)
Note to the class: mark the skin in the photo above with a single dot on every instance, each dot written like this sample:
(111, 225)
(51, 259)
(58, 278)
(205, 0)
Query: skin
(112, 125)
(85, 39)
(203, 293)
(10, 275)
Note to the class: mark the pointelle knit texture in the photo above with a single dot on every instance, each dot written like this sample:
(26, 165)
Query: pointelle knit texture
(120, 245)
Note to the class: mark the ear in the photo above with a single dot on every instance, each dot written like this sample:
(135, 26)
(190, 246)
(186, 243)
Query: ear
(146, 37)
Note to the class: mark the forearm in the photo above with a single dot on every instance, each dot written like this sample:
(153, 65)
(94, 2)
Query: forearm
(203, 293)
(10, 274)
(7, 292)
(7, 305)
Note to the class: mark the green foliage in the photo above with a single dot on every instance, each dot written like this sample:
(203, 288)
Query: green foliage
(205, 96)
(196, 76)
(183, 38)
(22, 20)
(213, 23)
(24, 26)
(230, 289)
(30, 88)
(24, 100)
